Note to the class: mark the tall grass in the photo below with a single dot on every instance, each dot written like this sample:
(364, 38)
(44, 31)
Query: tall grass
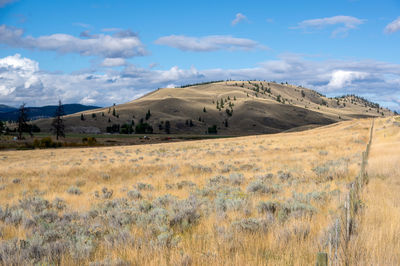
(250, 200)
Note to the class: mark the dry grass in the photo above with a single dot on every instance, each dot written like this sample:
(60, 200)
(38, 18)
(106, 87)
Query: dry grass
(378, 239)
(213, 220)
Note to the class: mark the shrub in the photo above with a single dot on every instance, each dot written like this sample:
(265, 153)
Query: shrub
(59, 204)
(236, 179)
(284, 176)
(144, 186)
(258, 186)
(251, 225)
(105, 176)
(90, 141)
(267, 207)
(46, 142)
(185, 213)
(74, 190)
(134, 194)
(107, 194)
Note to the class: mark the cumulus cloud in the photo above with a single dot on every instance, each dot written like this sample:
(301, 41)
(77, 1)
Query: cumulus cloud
(239, 17)
(18, 78)
(122, 44)
(393, 26)
(343, 24)
(3, 3)
(342, 78)
(208, 43)
(23, 81)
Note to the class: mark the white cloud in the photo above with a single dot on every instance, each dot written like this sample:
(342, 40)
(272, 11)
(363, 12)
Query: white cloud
(342, 78)
(393, 26)
(345, 23)
(3, 3)
(239, 17)
(17, 76)
(122, 44)
(208, 43)
(21, 80)
(113, 62)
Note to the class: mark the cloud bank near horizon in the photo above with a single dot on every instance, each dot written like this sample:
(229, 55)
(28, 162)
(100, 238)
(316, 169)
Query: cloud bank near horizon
(23, 81)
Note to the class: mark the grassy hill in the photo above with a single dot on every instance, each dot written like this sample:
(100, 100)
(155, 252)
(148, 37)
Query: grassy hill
(234, 107)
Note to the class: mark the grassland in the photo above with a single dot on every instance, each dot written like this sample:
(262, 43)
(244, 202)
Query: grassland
(7, 142)
(256, 200)
(378, 239)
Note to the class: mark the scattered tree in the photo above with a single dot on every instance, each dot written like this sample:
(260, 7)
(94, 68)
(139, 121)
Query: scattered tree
(113, 129)
(1, 127)
(212, 130)
(58, 124)
(148, 114)
(143, 128)
(82, 117)
(204, 110)
(167, 127)
(126, 129)
(22, 122)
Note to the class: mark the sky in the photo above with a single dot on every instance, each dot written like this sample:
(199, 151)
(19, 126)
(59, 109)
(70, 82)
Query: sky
(100, 52)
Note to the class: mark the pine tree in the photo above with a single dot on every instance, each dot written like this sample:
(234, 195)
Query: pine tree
(167, 127)
(82, 117)
(148, 114)
(58, 124)
(22, 121)
(1, 127)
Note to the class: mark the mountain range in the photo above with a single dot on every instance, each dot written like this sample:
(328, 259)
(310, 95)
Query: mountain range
(8, 113)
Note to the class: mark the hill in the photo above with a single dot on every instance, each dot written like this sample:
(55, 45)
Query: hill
(234, 107)
(34, 113)
(5, 108)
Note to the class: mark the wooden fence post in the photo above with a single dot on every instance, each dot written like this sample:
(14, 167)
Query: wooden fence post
(322, 259)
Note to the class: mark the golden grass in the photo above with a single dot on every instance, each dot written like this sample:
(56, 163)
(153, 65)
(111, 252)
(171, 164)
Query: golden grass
(378, 238)
(212, 240)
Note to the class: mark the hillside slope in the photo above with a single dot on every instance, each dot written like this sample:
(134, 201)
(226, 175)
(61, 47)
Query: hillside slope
(235, 107)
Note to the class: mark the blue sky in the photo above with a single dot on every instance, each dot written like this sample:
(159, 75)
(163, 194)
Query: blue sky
(101, 52)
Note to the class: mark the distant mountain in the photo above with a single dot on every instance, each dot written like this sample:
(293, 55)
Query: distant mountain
(228, 107)
(5, 108)
(41, 112)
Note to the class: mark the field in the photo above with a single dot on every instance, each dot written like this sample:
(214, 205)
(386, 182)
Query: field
(255, 200)
(78, 140)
